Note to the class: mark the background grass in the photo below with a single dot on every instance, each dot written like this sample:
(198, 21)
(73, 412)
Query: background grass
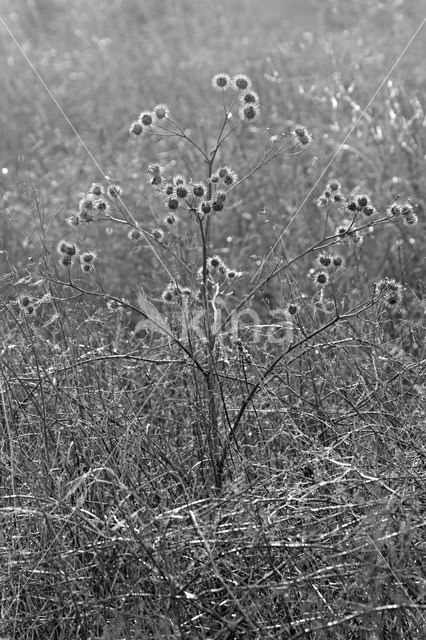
(110, 528)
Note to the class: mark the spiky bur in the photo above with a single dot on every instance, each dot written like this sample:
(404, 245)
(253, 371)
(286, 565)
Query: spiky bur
(389, 292)
(221, 81)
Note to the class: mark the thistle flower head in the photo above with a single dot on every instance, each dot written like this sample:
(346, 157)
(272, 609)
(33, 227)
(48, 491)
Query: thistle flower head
(324, 259)
(67, 248)
(249, 112)
(230, 178)
(241, 82)
(86, 203)
(87, 261)
(114, 190)
(172, 204)
(217, 205)
(97, 189)
(135, 129)
(220, 196)
(292, 309)
(321, 278)
(167, 296)
(161, 111)
(250, 97)
(231, 274)
(181, 191)
(157, 180)
(154, 169)
(334, 185)
(169, 189)
(337, 261)
(84, 216)
(170, 219)
(221, 81)
(411, 218)
(205, 207)
(134, 234)
(66, 261)
(158, 234)
(369, 210)
(341, 230)
(147, 119)
(302, 135)
(389, 291)
(362, 200)
(100, 205)
(72, 220)
(198, 189)
(178, 179)
(352, 206)
(215, 263)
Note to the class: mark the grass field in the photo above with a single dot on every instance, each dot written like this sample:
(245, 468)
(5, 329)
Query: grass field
(212, 372)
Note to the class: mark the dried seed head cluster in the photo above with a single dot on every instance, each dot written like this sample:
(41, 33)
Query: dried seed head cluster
(403, 212)
(301, 135)
(174, 293)
(67, 253)
(216, 268)
(87, 261)
(245, 354)
(241, 85)
(180, 193)
(147, 120)
(389, 291)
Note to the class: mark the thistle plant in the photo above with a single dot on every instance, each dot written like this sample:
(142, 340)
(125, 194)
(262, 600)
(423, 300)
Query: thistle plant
(198, 310)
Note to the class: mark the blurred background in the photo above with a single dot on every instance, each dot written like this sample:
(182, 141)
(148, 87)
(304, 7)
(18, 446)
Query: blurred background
(318, 63)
